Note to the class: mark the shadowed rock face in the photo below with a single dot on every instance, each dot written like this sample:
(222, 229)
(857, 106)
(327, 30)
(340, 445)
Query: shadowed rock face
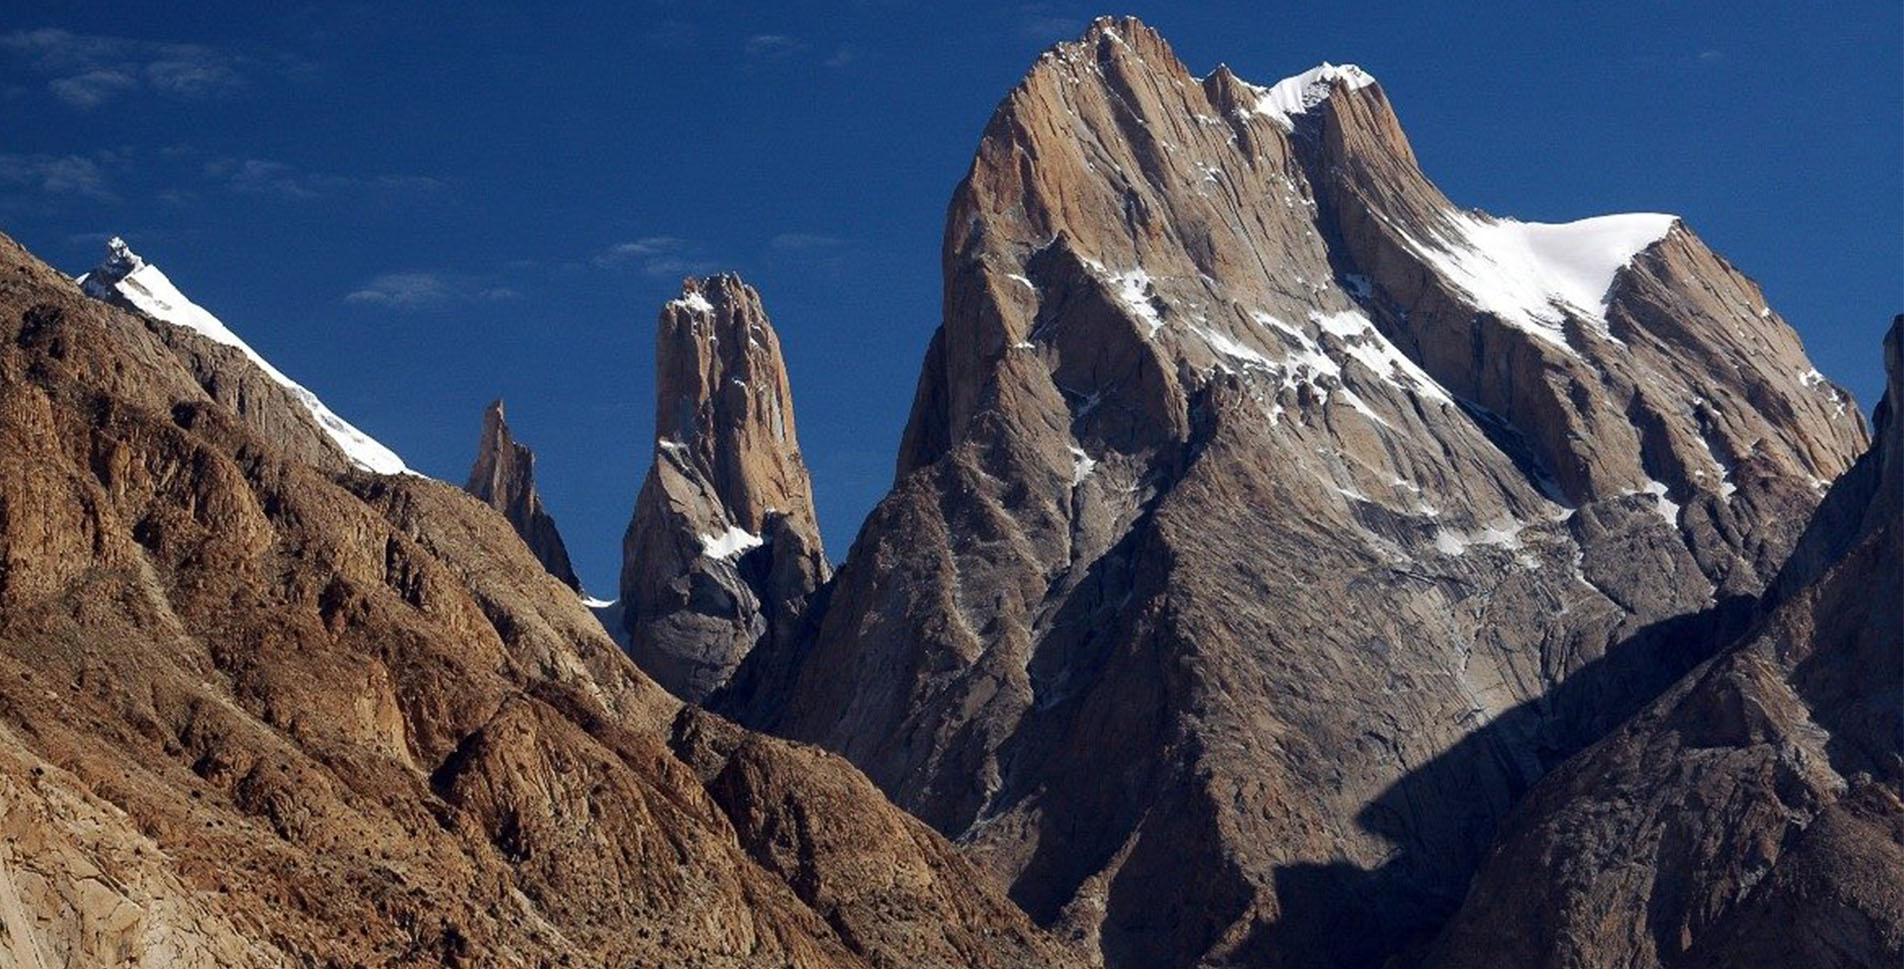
(1265, 525)
(1751, 815)
(724, 552)
(503, 477)
(262, 711)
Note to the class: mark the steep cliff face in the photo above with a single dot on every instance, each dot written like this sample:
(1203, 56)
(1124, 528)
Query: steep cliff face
(1751, 816)
(724, 552)
(257, 711)
(503, 477)
(1265, 524)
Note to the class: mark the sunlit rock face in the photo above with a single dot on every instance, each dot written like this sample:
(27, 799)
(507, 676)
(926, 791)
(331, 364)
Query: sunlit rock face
(724, 551)
(1266, 524)
(503, 477)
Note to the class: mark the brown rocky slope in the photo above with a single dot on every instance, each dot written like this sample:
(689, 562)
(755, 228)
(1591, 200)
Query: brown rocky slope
(1266, 525)
(257, 710)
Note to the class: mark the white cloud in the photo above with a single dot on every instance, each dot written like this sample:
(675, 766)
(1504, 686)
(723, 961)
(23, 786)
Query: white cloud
(87, 70)
(1047, 23)
(263, 176)
(772, 45)
(654, 256)
(421, 290)
(55, 174)
(407, 290)
(93, 88)
(804, 242)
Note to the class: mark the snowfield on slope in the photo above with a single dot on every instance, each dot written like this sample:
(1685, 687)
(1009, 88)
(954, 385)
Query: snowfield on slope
(145, 287)
(1533, 274)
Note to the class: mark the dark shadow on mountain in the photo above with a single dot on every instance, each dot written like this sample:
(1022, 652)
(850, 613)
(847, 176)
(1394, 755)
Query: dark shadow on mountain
(1347, 917)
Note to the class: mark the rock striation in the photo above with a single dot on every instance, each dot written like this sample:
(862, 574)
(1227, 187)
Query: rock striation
(262, 711)
(1751, 815)
(723, 553)
(503, 477)
(1266, 524)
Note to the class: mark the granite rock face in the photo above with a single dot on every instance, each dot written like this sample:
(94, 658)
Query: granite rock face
(723, 553)
(503, 477)
(262, 711)
(1750, 816)
(1266, 525)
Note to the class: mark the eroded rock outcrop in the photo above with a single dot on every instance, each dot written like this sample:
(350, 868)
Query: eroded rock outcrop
(1266, 525)
(257, 711)
(503, 477)
(1751, 816)
(723, 553)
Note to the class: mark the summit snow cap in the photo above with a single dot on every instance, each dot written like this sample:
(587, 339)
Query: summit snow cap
(1292, 96)
(126, 279)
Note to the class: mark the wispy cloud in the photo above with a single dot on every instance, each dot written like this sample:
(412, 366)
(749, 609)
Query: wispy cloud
(654, 256)
(55, 175)
(804, 242)
(772, 45)
(841, 57)
(1046, 22)
(93, 88)
(419, 290)
(87, 70)
(263, 176)
(816, 250)
(1711, 55)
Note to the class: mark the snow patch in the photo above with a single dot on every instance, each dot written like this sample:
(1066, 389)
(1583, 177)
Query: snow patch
(1533, 274)
(1367, 344)
(1134, 289)
(729, 543)
(1666, 507)
(152, 293)
(1083, 465)
(693, 301)
(1505, 534)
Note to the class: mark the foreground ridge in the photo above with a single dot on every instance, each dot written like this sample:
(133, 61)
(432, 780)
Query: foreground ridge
(258, 710)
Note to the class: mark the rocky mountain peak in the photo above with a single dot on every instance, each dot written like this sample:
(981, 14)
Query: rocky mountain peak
(723, 404)
(724, 548)
(126, 280)
(503, 477)
(119, 263)
(1226, 393)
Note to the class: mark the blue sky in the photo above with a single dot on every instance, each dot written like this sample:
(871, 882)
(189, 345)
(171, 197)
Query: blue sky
(415, 208)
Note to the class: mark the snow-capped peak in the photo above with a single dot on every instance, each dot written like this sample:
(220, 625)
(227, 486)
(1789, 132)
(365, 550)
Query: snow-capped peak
(1292, 96)
(125, 279)
(120, 259)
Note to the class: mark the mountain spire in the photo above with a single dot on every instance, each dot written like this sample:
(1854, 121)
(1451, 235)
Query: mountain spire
(724, 550)
(503, 477)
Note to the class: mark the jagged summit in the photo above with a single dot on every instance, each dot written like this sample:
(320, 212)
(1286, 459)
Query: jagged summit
(503, 477)
(724, 548)
(120, 259)
(1283, 518)
(127, 280)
